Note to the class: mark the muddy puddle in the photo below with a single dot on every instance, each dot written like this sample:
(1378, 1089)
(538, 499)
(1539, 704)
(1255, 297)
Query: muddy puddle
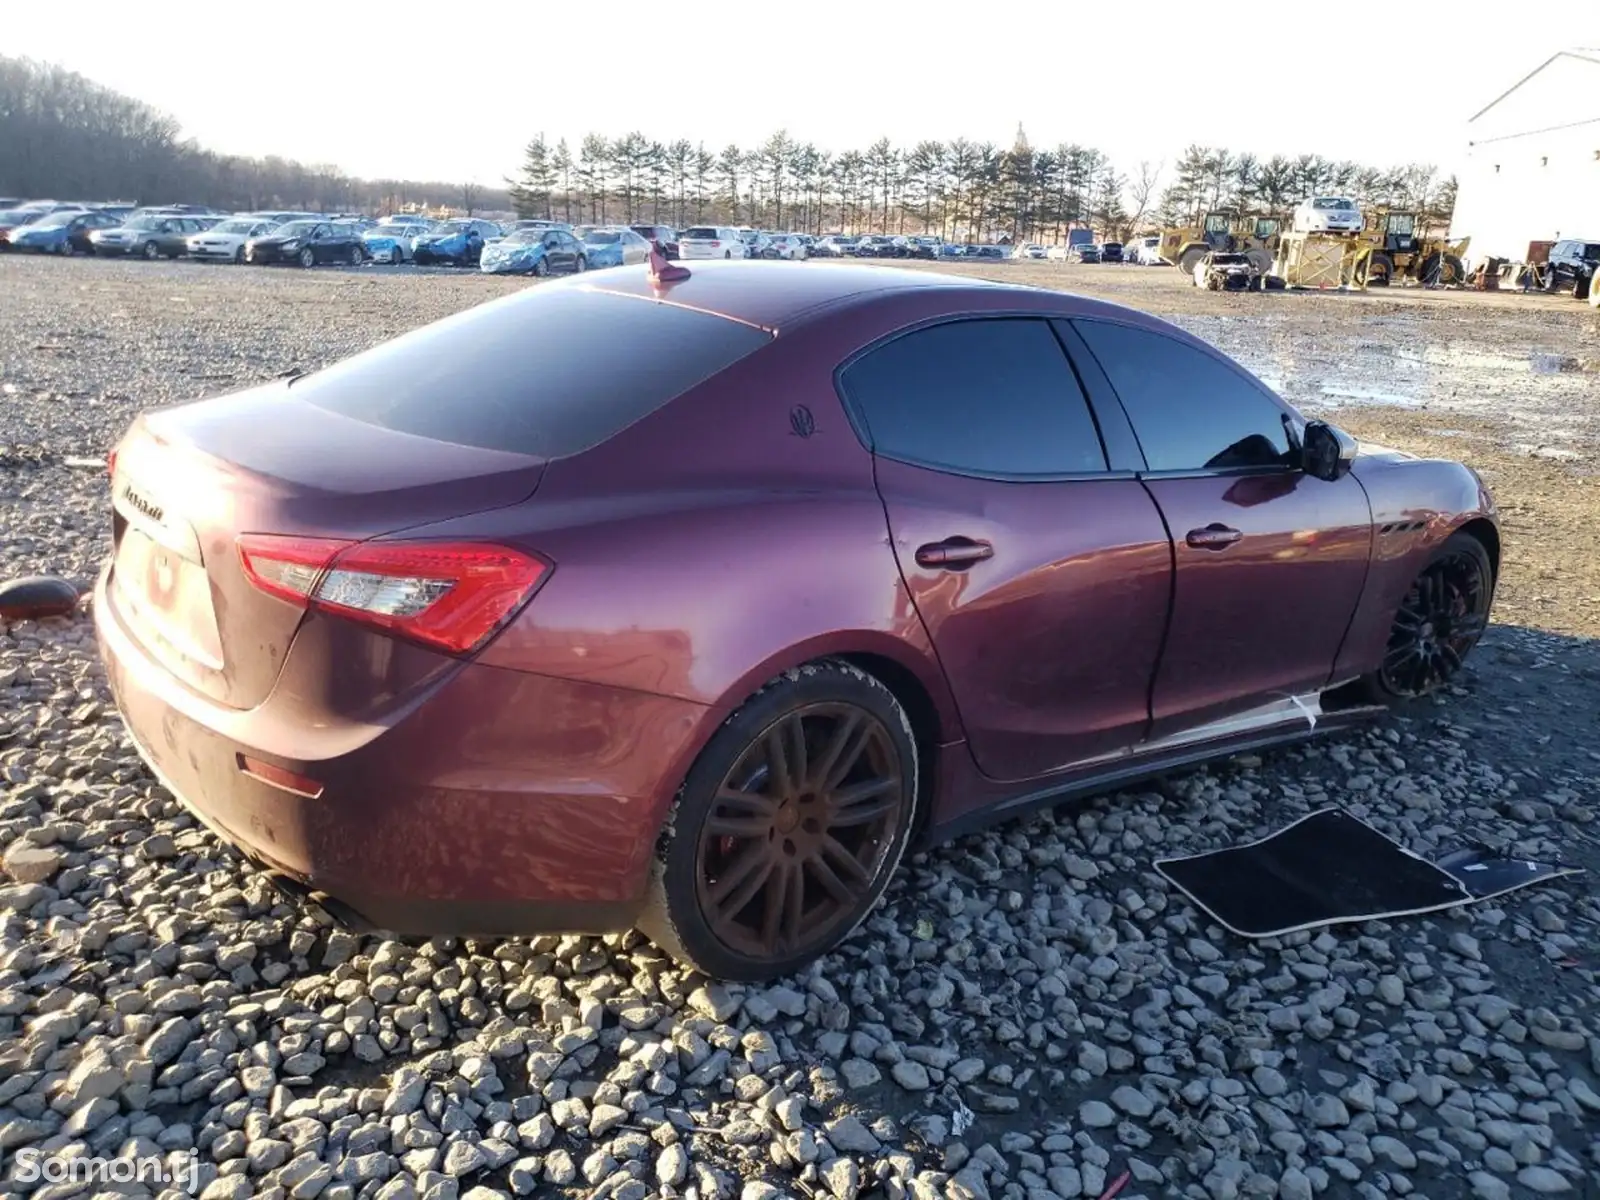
(1544, 392)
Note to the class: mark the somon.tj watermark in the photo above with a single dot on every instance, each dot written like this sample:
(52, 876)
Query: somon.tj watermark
(179, 1169)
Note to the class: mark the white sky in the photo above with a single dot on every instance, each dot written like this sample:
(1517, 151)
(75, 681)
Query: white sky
(396, 89)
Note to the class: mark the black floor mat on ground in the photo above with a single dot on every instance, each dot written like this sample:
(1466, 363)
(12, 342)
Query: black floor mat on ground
(1330, 868)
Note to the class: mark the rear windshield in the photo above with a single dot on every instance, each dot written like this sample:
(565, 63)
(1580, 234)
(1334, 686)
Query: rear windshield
(702, 231)
(469, 379)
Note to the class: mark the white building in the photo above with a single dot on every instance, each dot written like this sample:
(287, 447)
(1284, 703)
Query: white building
(1532, 168)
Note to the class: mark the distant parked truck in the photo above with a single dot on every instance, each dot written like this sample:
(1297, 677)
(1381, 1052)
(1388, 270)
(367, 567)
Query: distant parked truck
(1080, 237)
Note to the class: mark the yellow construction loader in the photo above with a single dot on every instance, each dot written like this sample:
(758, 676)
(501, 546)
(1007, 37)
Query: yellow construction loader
(1254, 237)
(1399, 252)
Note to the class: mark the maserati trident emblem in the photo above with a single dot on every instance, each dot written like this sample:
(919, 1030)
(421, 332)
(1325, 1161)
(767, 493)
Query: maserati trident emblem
(153, 511)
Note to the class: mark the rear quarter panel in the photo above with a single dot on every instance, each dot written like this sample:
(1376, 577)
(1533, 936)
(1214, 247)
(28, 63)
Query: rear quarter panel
(716, 543)
(1417, 504)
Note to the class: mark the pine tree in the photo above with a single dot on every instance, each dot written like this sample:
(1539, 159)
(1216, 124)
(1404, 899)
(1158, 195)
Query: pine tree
(530, 193)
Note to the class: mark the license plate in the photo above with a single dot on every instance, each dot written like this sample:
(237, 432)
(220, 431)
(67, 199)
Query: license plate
(167, 597)
(160, 577)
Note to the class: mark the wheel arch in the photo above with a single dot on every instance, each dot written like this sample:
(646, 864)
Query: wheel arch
(1488, 534)
(926, 728)
(912, 675)
(918, 686)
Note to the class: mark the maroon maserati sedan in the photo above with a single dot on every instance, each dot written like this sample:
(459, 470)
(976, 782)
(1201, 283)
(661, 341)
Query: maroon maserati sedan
(687, 605)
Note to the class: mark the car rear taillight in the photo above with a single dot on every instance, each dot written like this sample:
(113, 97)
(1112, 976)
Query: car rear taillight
(452, 596)
(714, 245)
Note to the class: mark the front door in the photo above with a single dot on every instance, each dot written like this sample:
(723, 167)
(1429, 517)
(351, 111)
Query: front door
(559, 251)
(1042, 578)
(1270, 561)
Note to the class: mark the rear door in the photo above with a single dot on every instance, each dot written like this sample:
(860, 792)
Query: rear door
(1271, 562)
(1042, 576)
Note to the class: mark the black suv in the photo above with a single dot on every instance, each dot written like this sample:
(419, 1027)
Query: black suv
(1572, 263)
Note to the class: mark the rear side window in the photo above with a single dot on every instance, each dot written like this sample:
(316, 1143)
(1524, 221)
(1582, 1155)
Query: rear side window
(1190, 410)
(992, 398)
(550, 371)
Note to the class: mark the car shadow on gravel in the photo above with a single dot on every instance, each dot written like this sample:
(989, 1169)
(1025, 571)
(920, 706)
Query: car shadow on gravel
(1120, 1018)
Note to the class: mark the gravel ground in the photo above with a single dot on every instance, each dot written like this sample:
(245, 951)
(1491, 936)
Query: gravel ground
(1033, 1011)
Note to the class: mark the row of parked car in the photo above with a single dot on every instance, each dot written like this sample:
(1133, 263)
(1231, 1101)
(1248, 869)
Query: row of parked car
(1144, 251)
(309, 239)
(533, 247)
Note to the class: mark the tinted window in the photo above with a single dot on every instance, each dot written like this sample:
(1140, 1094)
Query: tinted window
(470, 378)
(978, 397)
(1190, 410)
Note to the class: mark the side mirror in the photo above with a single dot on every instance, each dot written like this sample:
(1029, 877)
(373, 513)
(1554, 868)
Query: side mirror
(1326, 451)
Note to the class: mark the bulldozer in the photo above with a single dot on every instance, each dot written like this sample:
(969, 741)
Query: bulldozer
(1399, 252)
(1254, 237)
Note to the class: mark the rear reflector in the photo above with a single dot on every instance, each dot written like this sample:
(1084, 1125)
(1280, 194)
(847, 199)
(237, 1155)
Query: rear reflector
(452, 596)
(280, 777)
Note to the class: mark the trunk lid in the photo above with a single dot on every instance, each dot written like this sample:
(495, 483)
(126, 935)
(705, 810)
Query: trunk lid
(188, 480)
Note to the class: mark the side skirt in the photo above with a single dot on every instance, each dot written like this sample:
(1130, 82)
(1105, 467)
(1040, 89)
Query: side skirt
(1280, 723)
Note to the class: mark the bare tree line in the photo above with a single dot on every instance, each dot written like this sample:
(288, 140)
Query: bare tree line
(1208, 179)
(962, 190)
(66, 137)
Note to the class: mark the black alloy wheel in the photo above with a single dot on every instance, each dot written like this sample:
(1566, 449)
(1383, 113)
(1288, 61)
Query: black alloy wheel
(1439, 621)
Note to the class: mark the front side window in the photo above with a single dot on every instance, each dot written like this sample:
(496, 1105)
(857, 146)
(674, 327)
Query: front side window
(991, 398)
(1190, 410)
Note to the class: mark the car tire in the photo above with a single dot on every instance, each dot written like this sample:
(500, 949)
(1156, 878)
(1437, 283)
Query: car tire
(542, 268)
(151, 251)
(1190, 259)
(1440, 620)
(782, 849)
(727, 254)
(356, 257)
(1379, 270)
(307, 257)
(581, 265)
(238, 257)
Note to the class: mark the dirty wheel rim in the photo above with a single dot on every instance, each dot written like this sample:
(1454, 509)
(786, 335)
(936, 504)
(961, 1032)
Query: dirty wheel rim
(1443, 616)
(799, 830)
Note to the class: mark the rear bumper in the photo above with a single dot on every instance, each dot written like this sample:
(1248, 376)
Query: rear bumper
(499, 803)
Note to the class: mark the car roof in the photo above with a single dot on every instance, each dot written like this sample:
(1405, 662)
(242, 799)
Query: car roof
(758, 295)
